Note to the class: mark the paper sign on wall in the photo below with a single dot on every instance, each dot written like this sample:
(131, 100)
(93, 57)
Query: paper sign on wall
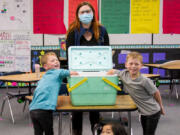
(15, 15)
(14, 53)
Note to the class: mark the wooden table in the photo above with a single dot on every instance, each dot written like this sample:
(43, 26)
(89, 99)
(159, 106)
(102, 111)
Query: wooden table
(19, 78)
(153, 65)
(171, 66)
(152, 75)
(163, 66)
(24, 78)
(32, 77)
(124, 103)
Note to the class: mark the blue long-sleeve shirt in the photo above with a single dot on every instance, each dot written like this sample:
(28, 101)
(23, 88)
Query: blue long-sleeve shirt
(46, 92)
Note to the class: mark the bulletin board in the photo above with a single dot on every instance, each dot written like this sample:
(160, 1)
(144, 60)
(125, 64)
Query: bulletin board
(152, 54)
(38, 51)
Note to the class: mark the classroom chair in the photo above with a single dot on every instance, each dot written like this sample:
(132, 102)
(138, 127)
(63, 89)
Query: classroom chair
(19, 94)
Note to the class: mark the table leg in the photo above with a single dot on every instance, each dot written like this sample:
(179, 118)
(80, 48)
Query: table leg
(129, 123)
(30, 92)
(60, 124)
(151, 70)
(12, 116)
(70, 124)
(171, 85)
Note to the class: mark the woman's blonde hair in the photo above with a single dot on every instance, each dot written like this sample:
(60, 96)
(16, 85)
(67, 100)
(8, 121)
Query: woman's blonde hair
(76, 24)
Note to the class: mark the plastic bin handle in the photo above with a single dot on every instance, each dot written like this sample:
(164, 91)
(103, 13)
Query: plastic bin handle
(77, 84)
(111, 83)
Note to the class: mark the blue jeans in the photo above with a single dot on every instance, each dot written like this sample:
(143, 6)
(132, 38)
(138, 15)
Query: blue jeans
(149, 123)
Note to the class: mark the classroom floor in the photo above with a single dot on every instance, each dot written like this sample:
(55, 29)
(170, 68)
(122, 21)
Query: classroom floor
(168, 125)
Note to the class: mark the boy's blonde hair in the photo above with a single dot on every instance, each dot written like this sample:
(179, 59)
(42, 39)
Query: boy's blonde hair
(44, 58)
(134, 55)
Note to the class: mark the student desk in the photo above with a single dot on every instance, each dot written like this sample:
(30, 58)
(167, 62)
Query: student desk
(24, 78)
(168, 67)
(152, 75)
(153, 65)
(124, 103)
(171, 66)
(32, 77)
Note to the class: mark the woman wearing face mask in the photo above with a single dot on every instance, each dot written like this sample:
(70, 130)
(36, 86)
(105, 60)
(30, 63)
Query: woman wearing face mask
(85, 31)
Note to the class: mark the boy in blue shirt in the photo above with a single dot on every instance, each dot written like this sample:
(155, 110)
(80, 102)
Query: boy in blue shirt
(45, 95)
(142, 90)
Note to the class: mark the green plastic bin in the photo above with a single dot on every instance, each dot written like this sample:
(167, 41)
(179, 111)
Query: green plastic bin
(92, 86)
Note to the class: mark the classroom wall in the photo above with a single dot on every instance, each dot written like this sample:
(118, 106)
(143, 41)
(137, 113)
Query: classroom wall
(115, 39)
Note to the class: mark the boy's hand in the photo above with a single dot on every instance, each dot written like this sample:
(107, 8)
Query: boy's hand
(162, 110)
(74, 73)
(111, 72)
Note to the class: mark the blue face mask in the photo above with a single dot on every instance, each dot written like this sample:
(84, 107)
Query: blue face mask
(86, 18)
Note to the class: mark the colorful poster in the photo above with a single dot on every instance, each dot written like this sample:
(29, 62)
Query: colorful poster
(115, 15)
(62, 44)
(38, 51)
(73, 6)
(48, 17)
(171, 16)
(15, 15)
(14, 52)
(145, 16)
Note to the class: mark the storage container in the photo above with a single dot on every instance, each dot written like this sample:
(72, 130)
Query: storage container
(92, 86)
